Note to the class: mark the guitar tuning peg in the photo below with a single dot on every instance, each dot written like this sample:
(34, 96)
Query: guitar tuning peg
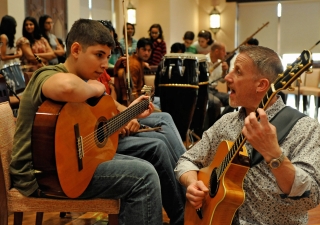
(310, 70)
(299, 80)
(290, 88)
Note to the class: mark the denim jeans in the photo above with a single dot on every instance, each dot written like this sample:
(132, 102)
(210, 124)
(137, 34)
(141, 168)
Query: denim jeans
(147, 146)
(168, 133)
(133, 181)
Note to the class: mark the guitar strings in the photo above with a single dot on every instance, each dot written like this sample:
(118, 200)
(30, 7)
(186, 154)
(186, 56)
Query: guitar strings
(110, 127)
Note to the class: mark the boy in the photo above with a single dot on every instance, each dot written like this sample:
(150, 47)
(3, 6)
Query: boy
(126, 178)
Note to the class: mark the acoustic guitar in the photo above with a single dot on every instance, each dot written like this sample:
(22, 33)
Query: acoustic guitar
(224, 176)
(69, 141)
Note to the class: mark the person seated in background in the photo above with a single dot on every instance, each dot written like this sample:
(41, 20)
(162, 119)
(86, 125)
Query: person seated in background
(132, 43)
(136, 67)
(177, 48)
(32, 43)
(203, 45)
(188, 38)
(216, 99)
(284, 182)
(8, 51)
(46, 24)
(126, 178)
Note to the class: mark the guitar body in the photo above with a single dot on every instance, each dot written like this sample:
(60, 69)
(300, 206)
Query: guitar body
(229, 193)
(61, 132)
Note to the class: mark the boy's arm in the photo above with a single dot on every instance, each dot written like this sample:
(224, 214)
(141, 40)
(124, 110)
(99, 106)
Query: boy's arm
(67, 87)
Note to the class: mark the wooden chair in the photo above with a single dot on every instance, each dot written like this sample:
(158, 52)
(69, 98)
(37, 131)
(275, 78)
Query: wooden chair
(311, 87)
(12, 201)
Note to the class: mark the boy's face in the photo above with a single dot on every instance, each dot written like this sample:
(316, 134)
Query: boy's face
(92, 61)
(187, 43)
(144, 52)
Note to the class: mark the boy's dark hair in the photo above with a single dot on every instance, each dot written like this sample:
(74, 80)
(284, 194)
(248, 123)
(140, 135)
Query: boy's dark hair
(36, 32)
(189, 35)
(88, 33)
(206, 35)
(143, 42)
(253, 41)
(8, 27)
(178, 47)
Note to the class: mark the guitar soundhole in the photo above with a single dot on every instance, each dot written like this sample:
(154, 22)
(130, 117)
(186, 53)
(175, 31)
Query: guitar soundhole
(214, 183)
(101, 132)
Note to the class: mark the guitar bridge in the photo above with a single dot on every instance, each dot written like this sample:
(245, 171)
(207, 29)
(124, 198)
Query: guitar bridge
(79, 144)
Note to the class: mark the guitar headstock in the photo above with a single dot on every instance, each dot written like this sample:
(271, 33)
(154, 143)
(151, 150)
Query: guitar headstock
(149, 91)
(293, 72)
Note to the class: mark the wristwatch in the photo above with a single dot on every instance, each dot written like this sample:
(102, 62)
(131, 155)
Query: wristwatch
(275, 163)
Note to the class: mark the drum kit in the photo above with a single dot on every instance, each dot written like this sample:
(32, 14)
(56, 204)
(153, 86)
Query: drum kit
(183, 91)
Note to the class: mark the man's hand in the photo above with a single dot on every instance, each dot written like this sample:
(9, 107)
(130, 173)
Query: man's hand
(262, 135)
(225, 68)
(196, 192)
(146, 112)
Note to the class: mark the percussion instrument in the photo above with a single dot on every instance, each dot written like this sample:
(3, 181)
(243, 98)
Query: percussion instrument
(14, 77)
(201, 106)
(178, 88)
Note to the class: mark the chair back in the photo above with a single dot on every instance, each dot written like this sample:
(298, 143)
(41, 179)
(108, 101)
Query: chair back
(4, 94)
(7, 129)
(312, 79)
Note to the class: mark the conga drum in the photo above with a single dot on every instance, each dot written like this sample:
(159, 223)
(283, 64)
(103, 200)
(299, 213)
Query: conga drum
(178, 88)
(201, 105)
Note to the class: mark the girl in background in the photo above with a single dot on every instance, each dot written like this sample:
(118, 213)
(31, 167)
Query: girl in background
(159, 48)
(45, 24)
(203, 45)
(8, 53)
(132, 43)
(33, 43)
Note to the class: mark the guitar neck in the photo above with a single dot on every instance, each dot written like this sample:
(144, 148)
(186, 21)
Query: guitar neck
(115, 123)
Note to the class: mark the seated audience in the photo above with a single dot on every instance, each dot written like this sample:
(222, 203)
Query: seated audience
(132, 43)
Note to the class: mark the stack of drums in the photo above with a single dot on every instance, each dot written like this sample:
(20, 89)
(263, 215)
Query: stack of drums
(179, 88)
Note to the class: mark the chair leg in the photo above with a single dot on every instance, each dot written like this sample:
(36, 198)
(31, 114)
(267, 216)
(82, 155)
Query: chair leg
(4, 216)
(113, 219)
(17, 218)
(39, 218)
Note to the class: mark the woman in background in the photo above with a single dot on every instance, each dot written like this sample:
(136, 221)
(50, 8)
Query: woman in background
(32, 43)
(45, 24)
(159, 48)
(8, 53)
(203, 45)
(132, 43)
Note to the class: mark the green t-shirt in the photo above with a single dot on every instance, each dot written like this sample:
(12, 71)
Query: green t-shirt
(191, 49)
(21, 167)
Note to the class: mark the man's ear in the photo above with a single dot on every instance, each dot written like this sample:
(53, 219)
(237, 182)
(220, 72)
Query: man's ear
(75, 50)
(263, 85)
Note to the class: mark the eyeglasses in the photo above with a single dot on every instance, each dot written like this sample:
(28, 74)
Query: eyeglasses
(49, 23)
(155, 33)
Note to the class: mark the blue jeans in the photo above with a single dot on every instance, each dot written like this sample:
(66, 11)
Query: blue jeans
(133, 181)
(153, 147)
(168, 133)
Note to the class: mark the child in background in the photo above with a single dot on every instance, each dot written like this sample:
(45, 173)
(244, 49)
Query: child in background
(203, 45)
(188, 40)
(159, 48)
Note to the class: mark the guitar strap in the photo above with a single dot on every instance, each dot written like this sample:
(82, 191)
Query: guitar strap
(284, 120)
